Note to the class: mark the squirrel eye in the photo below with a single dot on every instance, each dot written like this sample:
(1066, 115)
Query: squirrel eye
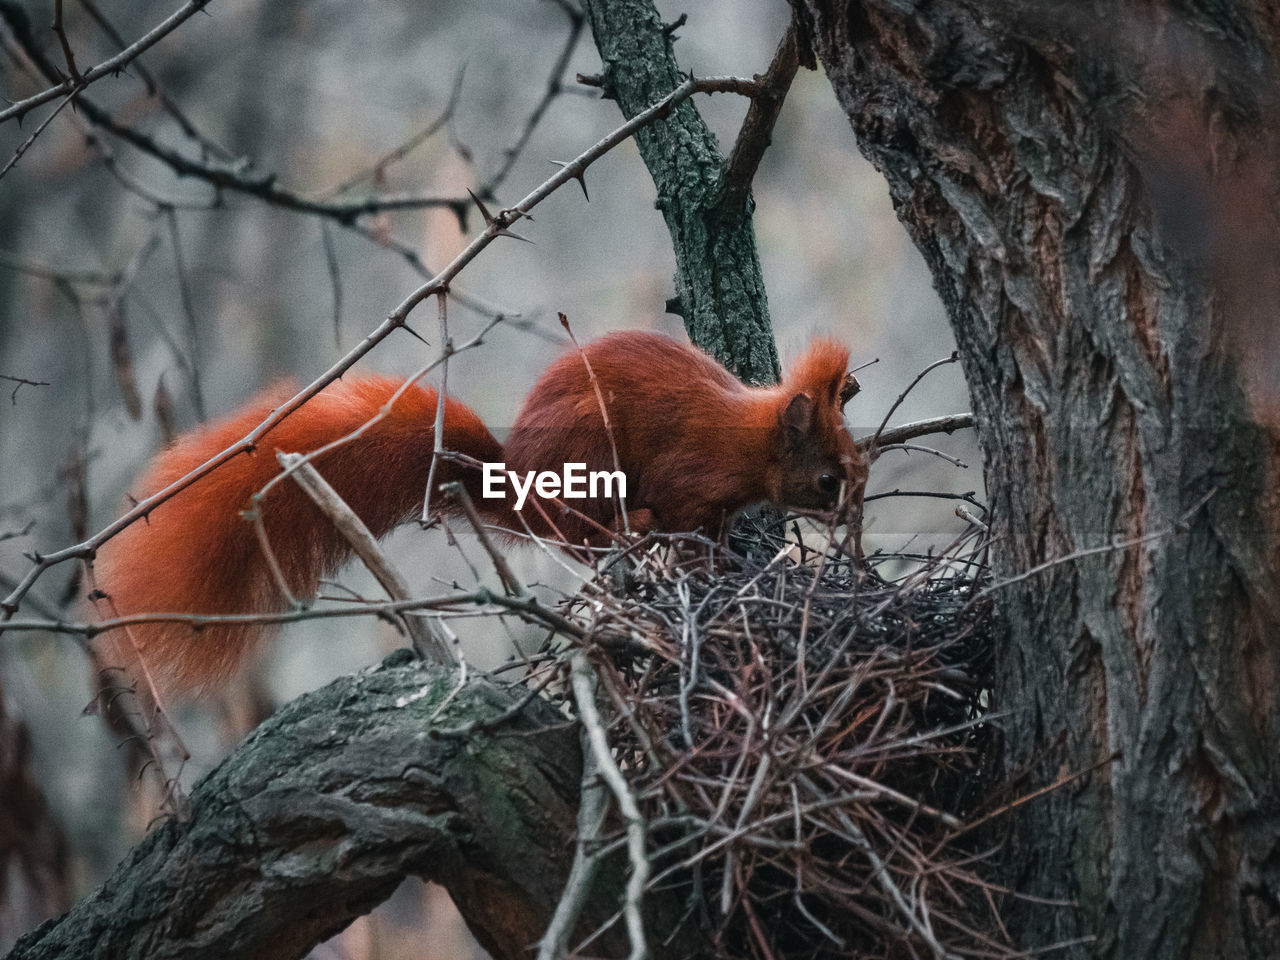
(828, 484)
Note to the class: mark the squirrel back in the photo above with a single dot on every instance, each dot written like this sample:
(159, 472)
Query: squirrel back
(695, 444)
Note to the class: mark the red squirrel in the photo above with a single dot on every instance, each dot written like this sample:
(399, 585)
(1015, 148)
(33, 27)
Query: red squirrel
(695, 444)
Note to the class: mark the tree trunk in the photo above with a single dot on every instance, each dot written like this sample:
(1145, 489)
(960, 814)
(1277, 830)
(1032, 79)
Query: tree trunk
(1094, 188)
(719, 283)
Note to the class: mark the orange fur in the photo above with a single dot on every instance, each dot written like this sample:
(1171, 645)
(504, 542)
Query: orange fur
(195, 554)
(695, 444)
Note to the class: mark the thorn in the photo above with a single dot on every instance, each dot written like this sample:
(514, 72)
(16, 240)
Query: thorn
(504, 232)
(494, 224)
(416, 334)
(484, 211)
(579, 175)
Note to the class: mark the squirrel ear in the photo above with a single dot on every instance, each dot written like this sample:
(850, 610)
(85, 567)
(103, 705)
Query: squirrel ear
(848, 389)
(798, 417)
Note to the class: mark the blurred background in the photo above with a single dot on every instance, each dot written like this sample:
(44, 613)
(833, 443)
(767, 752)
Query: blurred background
(121, 282)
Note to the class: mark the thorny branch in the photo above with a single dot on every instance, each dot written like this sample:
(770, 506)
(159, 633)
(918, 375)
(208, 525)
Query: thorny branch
(167, 103)
(17, 19)
(396, 320)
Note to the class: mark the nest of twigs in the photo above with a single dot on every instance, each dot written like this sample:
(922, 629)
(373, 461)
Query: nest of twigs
(806, 742)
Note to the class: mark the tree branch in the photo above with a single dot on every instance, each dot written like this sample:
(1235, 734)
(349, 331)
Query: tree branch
(111, 65)
(222, 175)
(917, 428)
(397, 318)
(328, 806)
(757, 128)
(719, 285)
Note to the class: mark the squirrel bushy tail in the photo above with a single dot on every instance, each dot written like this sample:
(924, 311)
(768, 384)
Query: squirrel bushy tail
(194, 554)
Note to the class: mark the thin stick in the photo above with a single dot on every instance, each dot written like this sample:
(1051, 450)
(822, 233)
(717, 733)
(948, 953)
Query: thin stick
(917, 448)
(526, 607)
(188, 310)
(917, 428)
(335, 280)
(442, 395)
(457, 493)
(875, 437)
(554, 86)
(70, 57)
(604, 412)
(365, 544)
(1179, 526)
(26, 144)
(377, 169)
(584, 693)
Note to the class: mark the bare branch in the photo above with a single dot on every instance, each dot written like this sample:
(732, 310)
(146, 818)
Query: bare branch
(397, 319)
(167, 103)
(64, 43)
(876, 437)
(188, 310)
(917, 448)
(110, 65)
(554, 87)
(918, 428)
(21, 382)
(26, 144)
(755, 134)
(527, 608)
(458, 494)
(378, 168)
(365, 545)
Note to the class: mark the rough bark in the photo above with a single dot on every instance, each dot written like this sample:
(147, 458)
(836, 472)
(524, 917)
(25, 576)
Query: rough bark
(718, 279)
(328, 805)
(1094, 187)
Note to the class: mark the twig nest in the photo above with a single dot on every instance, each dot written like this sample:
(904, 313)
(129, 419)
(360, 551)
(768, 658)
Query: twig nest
(808, 742)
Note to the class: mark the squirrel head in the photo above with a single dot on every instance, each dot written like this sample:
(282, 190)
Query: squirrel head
(817, 453)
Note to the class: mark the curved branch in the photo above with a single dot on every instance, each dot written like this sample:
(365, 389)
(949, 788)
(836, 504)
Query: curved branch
(321, 813)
